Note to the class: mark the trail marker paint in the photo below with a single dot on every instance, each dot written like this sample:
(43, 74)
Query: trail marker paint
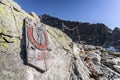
(36, 45)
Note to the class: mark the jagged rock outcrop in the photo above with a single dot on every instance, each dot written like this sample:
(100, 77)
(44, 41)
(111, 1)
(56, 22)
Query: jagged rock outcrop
(113, 42)
(115, 34)
(69, 60)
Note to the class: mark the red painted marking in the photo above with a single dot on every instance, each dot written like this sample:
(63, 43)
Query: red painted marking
(41, 55)
(32, 40)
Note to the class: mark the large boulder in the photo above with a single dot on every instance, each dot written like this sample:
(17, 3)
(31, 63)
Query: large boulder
(117, 68)
(13, 65)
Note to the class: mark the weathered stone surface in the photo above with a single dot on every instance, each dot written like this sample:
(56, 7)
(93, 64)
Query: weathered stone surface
(117, 79)
(69, 60)
(12, 50)
(36, 45)
(114, 61)
(114, 53)
(89, 47)
(117, 68)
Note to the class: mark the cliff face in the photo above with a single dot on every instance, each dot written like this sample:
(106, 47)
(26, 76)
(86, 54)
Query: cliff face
(69, 60)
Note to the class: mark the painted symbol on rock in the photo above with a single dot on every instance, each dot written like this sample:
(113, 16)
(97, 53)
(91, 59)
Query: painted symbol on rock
(33, 41)
(37, 44)
(42, 55)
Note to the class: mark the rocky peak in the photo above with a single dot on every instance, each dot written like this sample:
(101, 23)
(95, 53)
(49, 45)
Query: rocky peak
(116, 34)
(117, 29)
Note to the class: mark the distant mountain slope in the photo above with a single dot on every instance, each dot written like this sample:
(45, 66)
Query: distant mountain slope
(94, 34)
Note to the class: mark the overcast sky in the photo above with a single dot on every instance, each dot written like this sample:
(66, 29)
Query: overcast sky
(93, 11)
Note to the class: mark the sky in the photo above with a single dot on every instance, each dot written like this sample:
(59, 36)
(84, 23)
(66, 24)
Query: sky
(92, 11)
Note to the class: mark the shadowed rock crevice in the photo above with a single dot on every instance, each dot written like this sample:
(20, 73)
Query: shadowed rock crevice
(23, 45)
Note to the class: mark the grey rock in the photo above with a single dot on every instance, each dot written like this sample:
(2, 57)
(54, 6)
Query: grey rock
(114, 53)
(96, 57)
(114, 61)
(117, 79)
(117, 68)
(89, 47)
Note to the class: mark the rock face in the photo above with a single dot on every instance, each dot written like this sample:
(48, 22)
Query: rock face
(69, 60)
(13, 66)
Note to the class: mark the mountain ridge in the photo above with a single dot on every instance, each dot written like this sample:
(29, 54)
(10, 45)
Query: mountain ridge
(73, 21)
(93, 34)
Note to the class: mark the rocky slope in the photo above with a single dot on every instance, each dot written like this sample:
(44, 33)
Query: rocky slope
(69, 60)
(92, 34)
